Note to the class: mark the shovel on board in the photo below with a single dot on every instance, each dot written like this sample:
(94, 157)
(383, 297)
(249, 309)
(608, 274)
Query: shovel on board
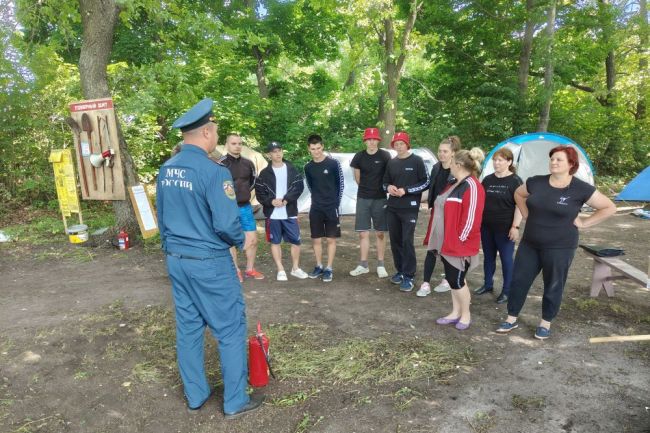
(110, 161)
(101, 150)
(77, 133)
(87, 126)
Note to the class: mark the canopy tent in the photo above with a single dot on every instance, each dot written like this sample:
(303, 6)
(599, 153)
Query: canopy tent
(638, 189)
(530, 153)
(349, 200)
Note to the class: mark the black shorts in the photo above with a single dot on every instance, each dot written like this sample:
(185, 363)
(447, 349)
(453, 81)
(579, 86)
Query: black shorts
(324, 223)
(454, 276)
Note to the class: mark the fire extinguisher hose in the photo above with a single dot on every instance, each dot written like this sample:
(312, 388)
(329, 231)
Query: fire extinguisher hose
(266, 355)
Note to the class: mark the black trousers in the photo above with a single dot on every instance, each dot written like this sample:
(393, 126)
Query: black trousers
(554, 264)
(401, 229)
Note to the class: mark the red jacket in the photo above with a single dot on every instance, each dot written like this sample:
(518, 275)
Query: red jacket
(463, 214)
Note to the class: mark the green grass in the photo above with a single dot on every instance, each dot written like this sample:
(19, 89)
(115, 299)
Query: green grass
(525, 404)
(294, 398)
(44, 227)
(307, 423)
(594, 307)
(482, 422)
(404, 397)
(302, 352)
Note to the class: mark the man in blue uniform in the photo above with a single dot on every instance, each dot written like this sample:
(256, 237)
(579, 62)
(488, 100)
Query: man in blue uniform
(199, 222)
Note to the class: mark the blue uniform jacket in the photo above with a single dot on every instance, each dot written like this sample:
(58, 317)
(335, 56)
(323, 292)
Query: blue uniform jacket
(197, 211)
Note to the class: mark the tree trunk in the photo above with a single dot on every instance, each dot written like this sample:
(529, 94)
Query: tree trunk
(610, 73)
(260, 73)
(99, 18)
(524, 66)
(393, 67)
(641, 105)
(545, 111)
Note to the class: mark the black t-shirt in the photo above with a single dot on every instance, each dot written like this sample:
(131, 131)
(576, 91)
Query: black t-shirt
(551, 212)
(372, 168)
(411, 174)
(499, 202)
(442, 180)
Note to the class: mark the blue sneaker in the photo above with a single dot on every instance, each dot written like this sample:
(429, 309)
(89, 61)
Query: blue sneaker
(506, 327)
(542, 333)
(397, 278)
(406, 285)
(317, 272)
(327, 275)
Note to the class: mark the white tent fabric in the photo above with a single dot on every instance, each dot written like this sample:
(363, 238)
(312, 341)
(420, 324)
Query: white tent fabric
(349, 200)
(530, 153)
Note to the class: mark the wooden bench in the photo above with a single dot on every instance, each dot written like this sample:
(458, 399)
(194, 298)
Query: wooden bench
(602, 276)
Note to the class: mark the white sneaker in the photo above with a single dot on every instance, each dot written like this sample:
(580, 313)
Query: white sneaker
(299, 273)
(282, 276)
(359, 270)
(424, 290)
(442, 287)
(381, 272)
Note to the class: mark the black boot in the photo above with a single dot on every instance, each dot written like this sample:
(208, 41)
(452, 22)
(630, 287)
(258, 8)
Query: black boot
(483, 289)
(502, 299)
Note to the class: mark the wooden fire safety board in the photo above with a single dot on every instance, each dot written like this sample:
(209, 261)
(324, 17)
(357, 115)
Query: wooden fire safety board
(143, 211)
(97, 150)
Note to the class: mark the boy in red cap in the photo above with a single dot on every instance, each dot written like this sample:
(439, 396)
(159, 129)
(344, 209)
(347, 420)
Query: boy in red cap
(405, 179)
(369, 166)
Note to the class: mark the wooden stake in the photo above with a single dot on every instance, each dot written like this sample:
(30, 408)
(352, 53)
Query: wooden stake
(619, 338)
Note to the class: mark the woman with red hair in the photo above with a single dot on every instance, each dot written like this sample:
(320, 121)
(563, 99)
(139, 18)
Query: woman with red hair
(550, 205)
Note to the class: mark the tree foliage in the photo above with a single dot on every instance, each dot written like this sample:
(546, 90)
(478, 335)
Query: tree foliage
(282, 69)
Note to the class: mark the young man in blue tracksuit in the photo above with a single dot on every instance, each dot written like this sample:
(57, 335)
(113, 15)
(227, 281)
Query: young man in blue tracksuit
(325, 181)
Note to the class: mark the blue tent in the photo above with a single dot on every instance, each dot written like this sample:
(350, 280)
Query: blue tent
(638, 189)
(530, 153)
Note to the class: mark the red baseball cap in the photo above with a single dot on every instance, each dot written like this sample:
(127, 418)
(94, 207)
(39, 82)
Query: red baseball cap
(371, 134)
(401, 136)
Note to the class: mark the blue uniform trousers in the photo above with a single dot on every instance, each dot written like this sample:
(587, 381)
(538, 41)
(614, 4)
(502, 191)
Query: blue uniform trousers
(207, 292)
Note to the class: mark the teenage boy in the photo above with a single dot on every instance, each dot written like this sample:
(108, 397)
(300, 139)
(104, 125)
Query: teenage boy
(369, 166)
(325, 181)
(243, 175)
(405, 179)
(277, 189)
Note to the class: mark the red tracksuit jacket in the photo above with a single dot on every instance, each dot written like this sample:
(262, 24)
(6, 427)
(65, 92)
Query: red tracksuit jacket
(463, 215)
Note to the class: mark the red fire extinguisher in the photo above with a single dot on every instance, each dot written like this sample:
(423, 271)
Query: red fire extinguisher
(123, 240)
(259, 363)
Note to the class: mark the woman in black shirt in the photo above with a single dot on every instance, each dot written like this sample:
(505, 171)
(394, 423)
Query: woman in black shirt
(550, 205)
(440, 177)
(501, 219)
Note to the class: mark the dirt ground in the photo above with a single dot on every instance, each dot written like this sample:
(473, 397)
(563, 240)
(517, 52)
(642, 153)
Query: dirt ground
(87, 345)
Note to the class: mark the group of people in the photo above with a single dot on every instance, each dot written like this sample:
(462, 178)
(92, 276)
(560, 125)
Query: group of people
(204, 211)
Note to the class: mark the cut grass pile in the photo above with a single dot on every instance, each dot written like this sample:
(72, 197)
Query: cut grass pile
(298, 351)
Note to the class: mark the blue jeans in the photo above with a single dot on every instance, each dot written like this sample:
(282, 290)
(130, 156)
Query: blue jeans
(492, 243)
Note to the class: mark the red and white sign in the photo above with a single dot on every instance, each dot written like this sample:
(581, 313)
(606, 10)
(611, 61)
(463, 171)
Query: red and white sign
(99, 104)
